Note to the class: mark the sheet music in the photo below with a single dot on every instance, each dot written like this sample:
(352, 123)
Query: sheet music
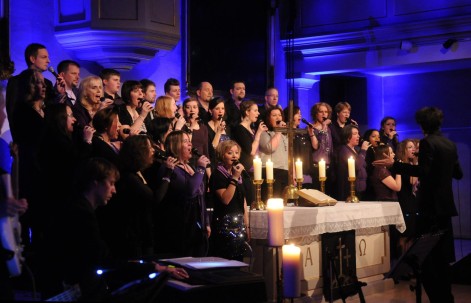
(205, 262)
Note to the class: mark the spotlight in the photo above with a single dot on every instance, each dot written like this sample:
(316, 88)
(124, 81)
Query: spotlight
(449, 43)
(406, 45)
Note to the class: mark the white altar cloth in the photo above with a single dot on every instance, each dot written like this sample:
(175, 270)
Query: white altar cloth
(312, 221)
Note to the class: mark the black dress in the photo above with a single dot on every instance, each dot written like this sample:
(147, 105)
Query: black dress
(245, 139)
(227, 229)
(127, 219)
(409, 207)
(182, 216)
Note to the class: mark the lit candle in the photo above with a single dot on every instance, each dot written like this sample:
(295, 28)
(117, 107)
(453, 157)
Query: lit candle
(299, 169)
(276, 228)
(351, 167)
(257, 168)
(291, 271)
(322, 168)
(269, 166)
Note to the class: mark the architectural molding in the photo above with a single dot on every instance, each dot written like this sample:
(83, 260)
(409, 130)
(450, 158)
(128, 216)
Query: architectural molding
(117, 36)
(383, 37)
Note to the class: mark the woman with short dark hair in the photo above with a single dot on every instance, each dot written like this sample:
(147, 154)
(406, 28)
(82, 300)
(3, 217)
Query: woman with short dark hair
(105, 141)
(351, 139)
(134, 111)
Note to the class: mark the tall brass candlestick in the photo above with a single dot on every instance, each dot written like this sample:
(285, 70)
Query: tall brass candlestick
(270, 188)
(299, 182)
(258, 205)
(352, 198)
(322, 180)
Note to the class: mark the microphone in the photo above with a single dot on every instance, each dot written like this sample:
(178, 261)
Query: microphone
(348, 120)
(102, 99)
(51, 69)
(220, 118)
(324, 118)
(142, 100)
(256, 124)
(177, 115)
(307, 122)
(415, 154)
(278, 122)
(160, 154)
(396, 134)
(196, 152)
(244, 172)
(126, 131)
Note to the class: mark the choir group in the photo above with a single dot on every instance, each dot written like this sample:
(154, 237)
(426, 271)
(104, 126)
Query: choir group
(112, 172)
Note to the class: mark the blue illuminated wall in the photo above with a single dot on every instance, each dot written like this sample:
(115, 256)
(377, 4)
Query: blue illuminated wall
(402, 96)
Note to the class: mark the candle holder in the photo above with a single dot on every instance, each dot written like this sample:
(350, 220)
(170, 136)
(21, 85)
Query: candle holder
(290, 195)
(258, 205)
(299, 182)
(352, 198)
(270, 188)
(322, 181)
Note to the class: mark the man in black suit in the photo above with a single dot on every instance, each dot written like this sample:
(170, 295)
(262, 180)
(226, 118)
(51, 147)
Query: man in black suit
(438, 165)
(69, 70)
(36, 57)
(232, 105)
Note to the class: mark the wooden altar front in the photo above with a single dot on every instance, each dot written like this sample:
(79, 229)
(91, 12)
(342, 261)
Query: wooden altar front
(304, 226)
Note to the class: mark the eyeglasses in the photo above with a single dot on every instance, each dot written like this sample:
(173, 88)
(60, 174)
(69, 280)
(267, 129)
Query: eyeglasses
(71, 115)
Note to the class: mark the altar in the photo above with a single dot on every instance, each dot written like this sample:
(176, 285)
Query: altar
(303, 226)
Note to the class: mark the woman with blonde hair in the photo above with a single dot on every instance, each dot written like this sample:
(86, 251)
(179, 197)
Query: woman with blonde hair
(165, 107)
(230, 224)
(90, 92)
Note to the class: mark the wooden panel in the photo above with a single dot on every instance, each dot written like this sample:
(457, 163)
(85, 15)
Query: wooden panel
(118, 9)
(325, 12)
(71, 11)
(164, 12)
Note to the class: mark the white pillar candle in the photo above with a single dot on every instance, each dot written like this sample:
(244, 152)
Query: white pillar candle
(276, 236)
(351, 167)
(291, 271)
(299, 169)
(269, 167)
(257, 168)
(322, 168)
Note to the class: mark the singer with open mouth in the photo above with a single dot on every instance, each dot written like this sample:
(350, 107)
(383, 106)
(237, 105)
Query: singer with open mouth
(228, 184)
(183, 223)
(135, 109)
(274, 147)
(217, 131)
(197, 129)
(388, 133)
(90, 93)
(320, 133)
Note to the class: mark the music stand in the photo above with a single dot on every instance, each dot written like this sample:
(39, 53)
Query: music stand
(413, 259)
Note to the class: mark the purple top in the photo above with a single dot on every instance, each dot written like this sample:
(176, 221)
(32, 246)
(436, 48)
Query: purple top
(324, 151)
(381, 191)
